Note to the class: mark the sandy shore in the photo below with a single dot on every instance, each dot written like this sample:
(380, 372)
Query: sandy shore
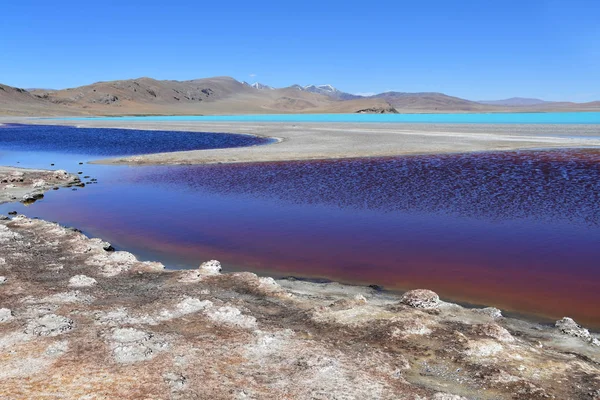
(313, 141)
(80, 320)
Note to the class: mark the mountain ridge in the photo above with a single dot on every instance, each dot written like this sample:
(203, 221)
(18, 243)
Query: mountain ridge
(224, 95)
(516, 102)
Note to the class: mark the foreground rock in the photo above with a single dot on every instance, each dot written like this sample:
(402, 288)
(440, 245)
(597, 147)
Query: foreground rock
(78, 321)
(421, 298)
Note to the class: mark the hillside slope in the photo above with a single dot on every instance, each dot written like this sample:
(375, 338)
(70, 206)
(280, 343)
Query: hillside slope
(225, 95)
(219, 95)
(430, 102)
(20, 102)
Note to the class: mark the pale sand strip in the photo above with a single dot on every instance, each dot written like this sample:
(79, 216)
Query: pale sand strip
(313, 141)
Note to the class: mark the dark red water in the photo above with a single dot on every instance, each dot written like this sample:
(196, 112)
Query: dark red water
(520, 231)
(517, 230)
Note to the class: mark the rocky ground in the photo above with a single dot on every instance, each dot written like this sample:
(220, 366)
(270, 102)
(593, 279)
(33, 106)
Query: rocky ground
(80, 320)
(29, 185)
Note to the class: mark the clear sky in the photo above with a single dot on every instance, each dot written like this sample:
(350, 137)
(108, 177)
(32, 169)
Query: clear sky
(473, 49)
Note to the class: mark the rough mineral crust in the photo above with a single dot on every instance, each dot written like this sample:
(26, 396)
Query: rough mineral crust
(207, 268)
(80, 321)
(49, 325)
(572, 328)
(5, 315)
(492, 312)
(80, 281)
(212, 267)
(421, 298)
(28, 185)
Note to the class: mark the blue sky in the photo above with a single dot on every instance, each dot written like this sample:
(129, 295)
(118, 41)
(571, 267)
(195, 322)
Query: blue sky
(471, 49)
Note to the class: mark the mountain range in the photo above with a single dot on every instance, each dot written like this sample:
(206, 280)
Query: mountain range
(225, 95)
(516, 102)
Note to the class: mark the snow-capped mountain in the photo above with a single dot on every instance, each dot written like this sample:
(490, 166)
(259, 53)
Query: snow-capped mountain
(260, 86)
(327, 90)
(322, 89)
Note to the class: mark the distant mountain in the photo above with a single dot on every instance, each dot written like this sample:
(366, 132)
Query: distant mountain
(428, 101)
(326, 90)
(515, 102)
(330, 91)
(218, 95)
(225, 95)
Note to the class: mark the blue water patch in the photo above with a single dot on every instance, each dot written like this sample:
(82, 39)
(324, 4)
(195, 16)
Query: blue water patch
(479, 118)
(112, 142)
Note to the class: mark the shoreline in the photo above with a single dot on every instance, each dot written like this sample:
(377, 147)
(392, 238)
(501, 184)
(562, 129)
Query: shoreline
(324, 141)
(536, 316)
(25, 191)
(72, 309)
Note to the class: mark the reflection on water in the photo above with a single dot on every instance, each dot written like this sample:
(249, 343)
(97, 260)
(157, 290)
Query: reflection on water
(517, 230)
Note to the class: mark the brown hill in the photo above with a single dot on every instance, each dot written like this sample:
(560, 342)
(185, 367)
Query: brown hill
(431, 102)
(225, 95)
(15, 101)
(220, 95)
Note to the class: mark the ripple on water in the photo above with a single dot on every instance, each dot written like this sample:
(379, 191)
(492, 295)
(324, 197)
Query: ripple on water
(544, 185)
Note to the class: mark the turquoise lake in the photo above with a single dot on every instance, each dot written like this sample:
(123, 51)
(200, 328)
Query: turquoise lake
(495, 118)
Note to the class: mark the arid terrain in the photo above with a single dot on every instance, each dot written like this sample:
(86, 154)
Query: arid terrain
(80, 320)
(225, 95)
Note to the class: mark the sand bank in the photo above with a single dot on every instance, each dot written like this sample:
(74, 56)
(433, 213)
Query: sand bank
(314, 141)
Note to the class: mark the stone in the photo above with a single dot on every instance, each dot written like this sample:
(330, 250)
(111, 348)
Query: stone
(79, 281)
(569, 327)
(32, 197)
(360, 299)
(38, 183)
(212, 267)
(61, 174)
(492, 312)
(421, 298)
(107, 246)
